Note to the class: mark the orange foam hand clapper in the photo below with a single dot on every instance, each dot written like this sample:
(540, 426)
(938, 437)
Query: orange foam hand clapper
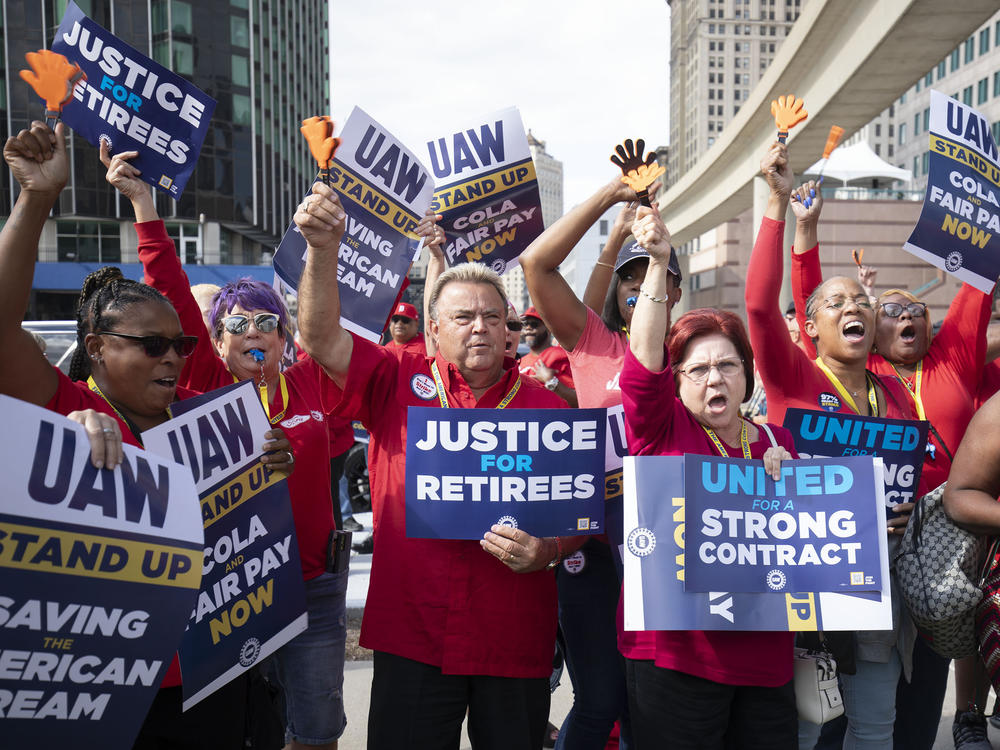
(52, 77)
(858, 255)
(318, 132)
(836, 133)
(788, 112)
(637, 173)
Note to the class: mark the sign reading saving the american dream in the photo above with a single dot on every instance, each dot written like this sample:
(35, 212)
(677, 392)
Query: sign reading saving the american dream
(99, 571)
(656, 549)
(385, 191)
(959, 225)
(900, 443)
(133, 102)
(487, 191)
(812, 530)
(540, 470)
(252, 599)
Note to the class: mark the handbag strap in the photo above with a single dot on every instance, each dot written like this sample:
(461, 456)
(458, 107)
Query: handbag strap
(770, 435)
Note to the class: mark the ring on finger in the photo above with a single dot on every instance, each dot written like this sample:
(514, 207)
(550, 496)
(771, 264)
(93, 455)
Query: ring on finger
(108, 431)
(291, 458)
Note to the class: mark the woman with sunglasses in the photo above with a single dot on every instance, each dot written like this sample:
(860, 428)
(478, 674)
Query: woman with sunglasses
(131, 350)
(840, 318)
(941, 376)
(249, 322)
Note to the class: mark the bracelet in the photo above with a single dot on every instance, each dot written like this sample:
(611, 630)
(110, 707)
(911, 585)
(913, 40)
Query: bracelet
(559, 554)
(602, 263)
(647, 295)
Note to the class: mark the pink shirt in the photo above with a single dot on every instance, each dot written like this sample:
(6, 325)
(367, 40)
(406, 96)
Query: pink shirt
(596, 361)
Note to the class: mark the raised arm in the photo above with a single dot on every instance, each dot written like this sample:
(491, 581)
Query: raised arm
(37, 159)
(962, 338)
(563, 313)
(651, 316)
(162, 269)
(321, 219)
(600, 276)
(806, 271)
(434, 238)
(970, 499)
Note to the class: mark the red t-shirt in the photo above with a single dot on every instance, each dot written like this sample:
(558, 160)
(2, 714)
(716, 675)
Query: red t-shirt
(416, 345)
(791, 378)
(75, 396)
(553, 357)
(442, 602)
(304, 421)
(658, 424)
(952, 367)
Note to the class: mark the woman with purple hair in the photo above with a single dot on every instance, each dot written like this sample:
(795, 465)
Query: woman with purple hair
(249, 323)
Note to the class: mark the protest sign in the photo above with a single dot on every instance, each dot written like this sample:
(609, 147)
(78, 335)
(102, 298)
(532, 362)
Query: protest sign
(900, 443)
(959, 225)
(487, 191)
(252, 599)
(384, 190)
(616, 448)
(535, 469)
(100, 570)
(654, 594)
(133, 102)
(813, 530)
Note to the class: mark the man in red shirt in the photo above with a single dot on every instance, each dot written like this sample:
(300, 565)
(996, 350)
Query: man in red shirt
(457, 626)
(546, 362)
(404, 329)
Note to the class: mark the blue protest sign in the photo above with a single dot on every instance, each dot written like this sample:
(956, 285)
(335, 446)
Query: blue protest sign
(814, 530)
(133, 102)
(616, 448)
(487, 191)
(959, 225)
(100, 570)
(535, 469)
(384, 190)
(252, 599)
(900, 443)
(655, 569)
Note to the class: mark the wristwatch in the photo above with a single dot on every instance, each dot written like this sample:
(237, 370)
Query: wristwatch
(552, 383)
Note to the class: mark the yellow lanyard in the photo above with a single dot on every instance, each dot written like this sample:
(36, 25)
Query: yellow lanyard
(92, 384)
(872, 396)
(443, 396)
(913, 390)
(744, 440)
(283, 387)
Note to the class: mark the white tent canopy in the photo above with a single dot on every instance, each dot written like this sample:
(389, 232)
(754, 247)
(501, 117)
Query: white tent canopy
(857, 162)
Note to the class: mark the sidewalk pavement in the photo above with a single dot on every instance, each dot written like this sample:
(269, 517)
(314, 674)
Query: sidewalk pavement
(358, 675)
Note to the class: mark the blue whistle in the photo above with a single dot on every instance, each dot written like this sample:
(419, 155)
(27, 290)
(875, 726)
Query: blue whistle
(931, 449)
(258, 355)
(631, 301)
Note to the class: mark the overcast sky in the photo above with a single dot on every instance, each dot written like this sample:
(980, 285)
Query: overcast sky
(585, 74)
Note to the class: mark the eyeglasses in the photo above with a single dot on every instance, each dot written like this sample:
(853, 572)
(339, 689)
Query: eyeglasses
(399, 319)
(727, 368)
(838, 303)
(514, 325)
(157, 346)
(239, 324)
(895, 309)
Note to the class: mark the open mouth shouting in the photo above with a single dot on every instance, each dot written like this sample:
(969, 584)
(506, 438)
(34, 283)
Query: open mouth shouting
(854, 331)
(908, 333)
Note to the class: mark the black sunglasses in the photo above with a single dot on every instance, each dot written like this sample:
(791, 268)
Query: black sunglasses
(514, 325)
(895, 309)
(157, 346)
(400, 319)
(239, 324)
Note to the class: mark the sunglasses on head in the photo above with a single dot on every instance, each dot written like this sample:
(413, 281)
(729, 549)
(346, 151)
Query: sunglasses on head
(157, 346)
(238, 324)
(895, 309)
(514, 325)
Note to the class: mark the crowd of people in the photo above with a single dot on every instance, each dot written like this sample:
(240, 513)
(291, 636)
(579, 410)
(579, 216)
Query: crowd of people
(466, 630)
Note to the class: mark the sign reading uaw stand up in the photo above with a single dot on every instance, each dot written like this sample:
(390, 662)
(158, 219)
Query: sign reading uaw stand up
(959, 226)
(487, 191)
(98, 572)
(133, 102)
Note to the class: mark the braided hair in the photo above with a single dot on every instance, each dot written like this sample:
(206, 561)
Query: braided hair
(104, 295)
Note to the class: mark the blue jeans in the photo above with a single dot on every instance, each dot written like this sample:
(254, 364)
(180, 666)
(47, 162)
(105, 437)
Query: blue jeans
(310, 667)
(588, 602)
(346, 511)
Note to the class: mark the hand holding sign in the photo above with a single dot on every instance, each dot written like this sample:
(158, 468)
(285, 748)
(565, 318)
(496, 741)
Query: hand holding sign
(318, 132)
(37, 158)
(637, 173)
(123, 175)
(788, 112)
(430, 232)
(518, 550)
(52, 77)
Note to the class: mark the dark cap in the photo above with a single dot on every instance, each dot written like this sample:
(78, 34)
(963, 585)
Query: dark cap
(634, 250)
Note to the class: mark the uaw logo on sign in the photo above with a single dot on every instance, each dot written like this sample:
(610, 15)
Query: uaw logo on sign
(954, 261)
(508, 521)
(776, 580)
(641, 542)
(828, 401)
(249, 652)
(422, 386)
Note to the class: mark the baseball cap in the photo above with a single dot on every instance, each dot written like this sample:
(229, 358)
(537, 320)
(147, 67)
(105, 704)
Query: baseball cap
(634, 250)
(406, 310)
(531, 312)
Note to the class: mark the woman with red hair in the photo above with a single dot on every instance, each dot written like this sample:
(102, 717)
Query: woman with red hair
(701, 689)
